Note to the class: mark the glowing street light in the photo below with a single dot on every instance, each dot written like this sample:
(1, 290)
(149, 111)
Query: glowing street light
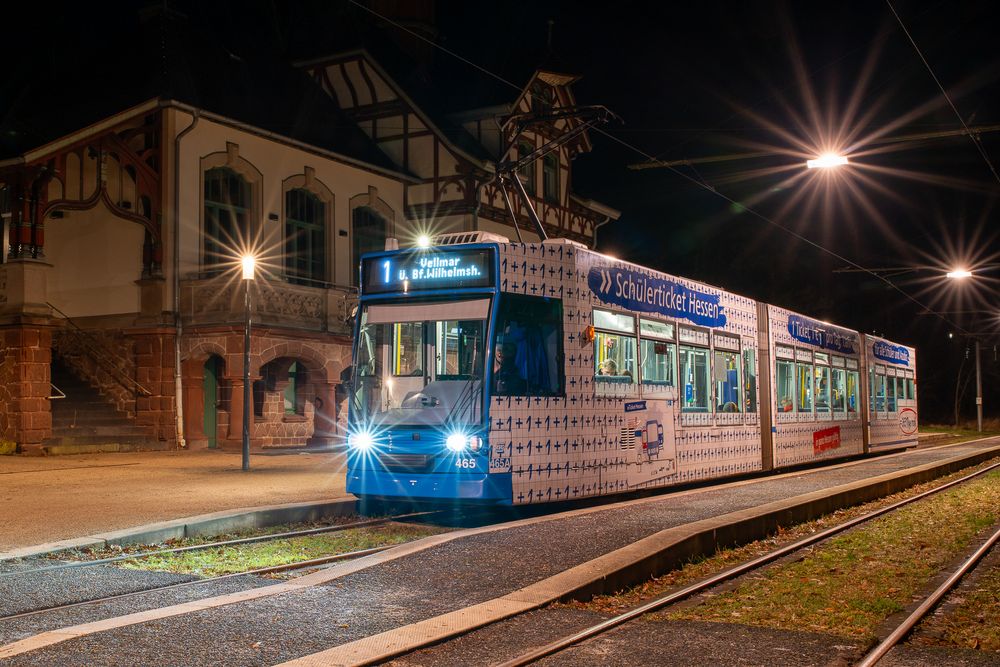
(826, 161)
(958, 274)
(249, 263)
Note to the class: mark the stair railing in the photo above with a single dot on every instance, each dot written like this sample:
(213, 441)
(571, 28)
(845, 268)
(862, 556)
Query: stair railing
(102, 355)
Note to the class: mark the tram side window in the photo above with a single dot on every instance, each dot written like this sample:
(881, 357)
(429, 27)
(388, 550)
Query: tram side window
(822, 376)
(407, 346)
(694, 378)
(890, 393)
(871, 389)
(727, 382)
(853, 379)
(614, 348)
(750, 379)
(805, 394)
(527, 354)
(879, 392)
(659, 357)
(838, 388)
(785, 386)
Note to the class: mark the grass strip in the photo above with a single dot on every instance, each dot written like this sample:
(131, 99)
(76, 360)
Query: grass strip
(851, 584)
(239, 558)
(701, 568)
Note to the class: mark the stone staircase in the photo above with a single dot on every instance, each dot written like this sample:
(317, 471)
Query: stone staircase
(85, 422)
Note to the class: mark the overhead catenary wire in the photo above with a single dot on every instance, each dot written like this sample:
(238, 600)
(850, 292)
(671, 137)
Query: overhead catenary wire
(705, 186)
(947, 97)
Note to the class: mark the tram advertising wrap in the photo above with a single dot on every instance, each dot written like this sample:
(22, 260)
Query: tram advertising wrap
(522, 373)
(892, 392)
(816, 388)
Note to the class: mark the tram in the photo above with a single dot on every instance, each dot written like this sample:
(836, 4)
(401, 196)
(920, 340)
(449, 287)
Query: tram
(519, 373)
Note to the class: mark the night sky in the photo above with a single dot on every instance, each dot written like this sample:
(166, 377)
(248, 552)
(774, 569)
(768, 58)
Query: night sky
(689, 80)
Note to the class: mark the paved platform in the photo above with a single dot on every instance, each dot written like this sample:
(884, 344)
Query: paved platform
(362, 611)
(65, 497)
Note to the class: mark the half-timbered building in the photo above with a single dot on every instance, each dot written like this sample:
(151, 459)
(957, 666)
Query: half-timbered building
(121, 303)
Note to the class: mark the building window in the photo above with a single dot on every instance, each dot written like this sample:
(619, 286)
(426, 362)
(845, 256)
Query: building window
(305, 238)
(543, 97)
(369, 231)
(527, 173)
(293, 406)
(227, 217)
(550, 177)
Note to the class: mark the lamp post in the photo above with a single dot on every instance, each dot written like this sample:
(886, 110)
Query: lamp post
(249, 264)
(963, 274)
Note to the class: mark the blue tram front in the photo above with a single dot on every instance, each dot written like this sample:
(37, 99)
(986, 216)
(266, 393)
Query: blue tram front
(418, 413)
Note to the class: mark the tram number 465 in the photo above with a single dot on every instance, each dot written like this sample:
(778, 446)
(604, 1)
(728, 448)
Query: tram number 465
(465, 463)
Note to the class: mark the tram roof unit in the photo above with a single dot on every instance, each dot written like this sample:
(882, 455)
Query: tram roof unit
(807, 330)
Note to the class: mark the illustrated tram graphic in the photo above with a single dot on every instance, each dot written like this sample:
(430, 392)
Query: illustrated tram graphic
(518, 373)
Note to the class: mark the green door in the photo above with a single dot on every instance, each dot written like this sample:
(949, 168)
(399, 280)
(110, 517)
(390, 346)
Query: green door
(211, 387)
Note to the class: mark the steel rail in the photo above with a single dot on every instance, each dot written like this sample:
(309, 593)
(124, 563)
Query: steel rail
(323, 560)
(739, 570)
(910, 622)
(213, 545)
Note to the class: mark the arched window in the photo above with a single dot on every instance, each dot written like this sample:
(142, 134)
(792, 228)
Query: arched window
(227, 217)
(305, 238)
(550, 177)
(369, 230)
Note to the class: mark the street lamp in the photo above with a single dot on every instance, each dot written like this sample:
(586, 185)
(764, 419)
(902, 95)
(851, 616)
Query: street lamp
(249, 263)
(958, 274)
(827, 161)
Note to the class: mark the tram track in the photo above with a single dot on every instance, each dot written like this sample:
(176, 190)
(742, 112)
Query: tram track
(287, 567)
(903, 630)
(660, 602)
(214, 545)
(256, 539)
(308, 564)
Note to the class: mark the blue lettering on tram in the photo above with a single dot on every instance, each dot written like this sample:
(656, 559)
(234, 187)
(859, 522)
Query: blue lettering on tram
(821, 335)
(632, 290)
(894, 354)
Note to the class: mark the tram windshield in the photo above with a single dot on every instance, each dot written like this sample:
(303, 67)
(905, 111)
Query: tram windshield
(421, 364)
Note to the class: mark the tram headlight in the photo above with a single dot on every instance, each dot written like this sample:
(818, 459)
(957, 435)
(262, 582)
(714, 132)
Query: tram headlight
(360, 441)
(456, 442)
(475, 443)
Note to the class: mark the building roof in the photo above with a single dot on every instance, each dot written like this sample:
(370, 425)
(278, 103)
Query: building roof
(171, 57)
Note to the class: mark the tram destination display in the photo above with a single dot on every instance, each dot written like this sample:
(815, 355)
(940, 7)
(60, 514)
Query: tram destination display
(428, 270)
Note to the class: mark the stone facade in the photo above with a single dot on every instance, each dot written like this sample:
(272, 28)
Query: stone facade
(25, 357)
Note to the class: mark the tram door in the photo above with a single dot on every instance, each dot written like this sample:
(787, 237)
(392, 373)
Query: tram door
(211, 392)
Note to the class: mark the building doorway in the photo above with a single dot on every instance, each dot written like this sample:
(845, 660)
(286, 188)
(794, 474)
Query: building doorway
(213, 370)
